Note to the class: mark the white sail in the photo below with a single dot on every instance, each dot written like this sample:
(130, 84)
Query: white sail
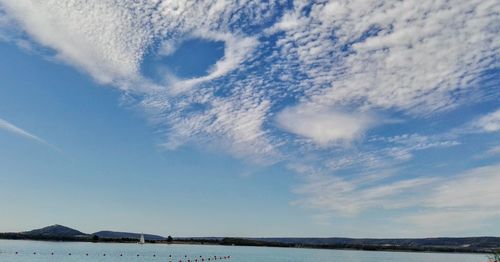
(141, 241)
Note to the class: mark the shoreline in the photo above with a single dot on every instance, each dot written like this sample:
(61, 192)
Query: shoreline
(238, 243)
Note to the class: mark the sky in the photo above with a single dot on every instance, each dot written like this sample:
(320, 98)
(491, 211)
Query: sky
(361, 118)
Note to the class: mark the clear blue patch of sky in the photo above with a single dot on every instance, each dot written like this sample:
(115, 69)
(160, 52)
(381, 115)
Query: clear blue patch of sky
(192, 58)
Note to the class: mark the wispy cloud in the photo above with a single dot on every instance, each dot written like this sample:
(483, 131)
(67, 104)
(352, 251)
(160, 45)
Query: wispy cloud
(353, 195)
(462, 202)
(23, 133)
(439, 205)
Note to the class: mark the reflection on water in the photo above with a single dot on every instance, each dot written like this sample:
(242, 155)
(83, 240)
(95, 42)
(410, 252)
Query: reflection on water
(36, 251)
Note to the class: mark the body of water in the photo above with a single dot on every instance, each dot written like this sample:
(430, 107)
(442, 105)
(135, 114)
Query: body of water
(39, 251)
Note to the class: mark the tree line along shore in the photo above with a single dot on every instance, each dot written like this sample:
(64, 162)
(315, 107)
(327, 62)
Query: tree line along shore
(464, 245)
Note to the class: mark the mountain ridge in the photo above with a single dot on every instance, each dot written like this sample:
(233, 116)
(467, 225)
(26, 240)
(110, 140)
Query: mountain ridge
(61, 231)
(55, 230)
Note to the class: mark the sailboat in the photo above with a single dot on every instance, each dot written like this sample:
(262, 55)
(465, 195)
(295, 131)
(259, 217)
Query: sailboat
(141, 240)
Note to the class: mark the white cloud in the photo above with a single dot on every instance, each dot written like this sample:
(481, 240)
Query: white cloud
(235, 125)
(410, 55)
(100, 37)
(438, 205)
(324, 126)
(487, 123)
(378, 153)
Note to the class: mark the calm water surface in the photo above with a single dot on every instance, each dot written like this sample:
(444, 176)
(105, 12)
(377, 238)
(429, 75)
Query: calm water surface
(159, 252)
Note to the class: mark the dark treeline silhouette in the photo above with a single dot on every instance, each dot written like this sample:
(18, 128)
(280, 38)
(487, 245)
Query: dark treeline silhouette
(87, 238)
(21, 236)
(360, 246)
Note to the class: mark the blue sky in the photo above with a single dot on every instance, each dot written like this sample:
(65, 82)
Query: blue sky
(287, 118)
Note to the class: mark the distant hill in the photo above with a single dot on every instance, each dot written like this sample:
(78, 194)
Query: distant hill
(119, 235)
(55, 231)
(58, 232)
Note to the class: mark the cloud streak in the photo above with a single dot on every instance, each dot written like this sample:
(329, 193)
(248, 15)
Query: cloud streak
(23, 133)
